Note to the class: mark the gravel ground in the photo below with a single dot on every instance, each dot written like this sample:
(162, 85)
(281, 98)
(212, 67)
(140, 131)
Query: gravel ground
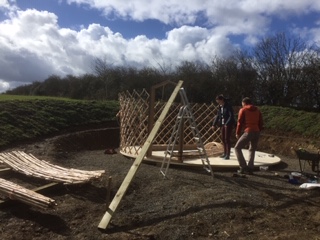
(189, 204)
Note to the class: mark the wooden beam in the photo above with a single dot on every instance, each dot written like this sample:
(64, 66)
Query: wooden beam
(5, 170)
(132, 171)
(49, 185)
(37, 189)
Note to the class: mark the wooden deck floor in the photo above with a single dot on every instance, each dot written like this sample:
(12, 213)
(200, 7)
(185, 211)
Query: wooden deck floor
(261, 159)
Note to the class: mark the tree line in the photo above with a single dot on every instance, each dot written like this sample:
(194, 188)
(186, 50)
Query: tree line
(280, 70)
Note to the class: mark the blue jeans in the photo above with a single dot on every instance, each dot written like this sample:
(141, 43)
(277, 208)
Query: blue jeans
(252, 138)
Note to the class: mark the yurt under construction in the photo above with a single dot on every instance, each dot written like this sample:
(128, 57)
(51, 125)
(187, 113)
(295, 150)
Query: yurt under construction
(140, 110)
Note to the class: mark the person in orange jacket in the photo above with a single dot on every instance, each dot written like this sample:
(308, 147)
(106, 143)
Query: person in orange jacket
(251, 122)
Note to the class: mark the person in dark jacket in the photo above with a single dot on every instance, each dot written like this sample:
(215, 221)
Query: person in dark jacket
(251, 123)
(225, 120)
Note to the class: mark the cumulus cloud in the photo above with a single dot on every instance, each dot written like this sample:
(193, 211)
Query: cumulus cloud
(8, 5)
(4, 86)
(226, 13)
(34, 46)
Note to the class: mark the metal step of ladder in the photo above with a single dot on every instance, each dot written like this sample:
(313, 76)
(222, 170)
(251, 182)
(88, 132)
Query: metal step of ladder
(185, 114)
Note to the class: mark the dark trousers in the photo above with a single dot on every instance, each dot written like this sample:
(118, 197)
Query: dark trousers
(226, 135)
(252, 138)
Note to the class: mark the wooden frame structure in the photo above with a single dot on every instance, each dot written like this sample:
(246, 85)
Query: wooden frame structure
(151, 109)
(139, 111)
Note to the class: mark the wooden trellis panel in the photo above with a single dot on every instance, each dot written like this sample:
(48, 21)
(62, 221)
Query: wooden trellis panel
(134, 122)
(204, 115)
(164, 132)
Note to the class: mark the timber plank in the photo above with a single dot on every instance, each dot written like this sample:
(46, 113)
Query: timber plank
(132, 171)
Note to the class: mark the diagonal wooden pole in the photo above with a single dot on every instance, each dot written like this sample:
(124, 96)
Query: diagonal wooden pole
(136, 164)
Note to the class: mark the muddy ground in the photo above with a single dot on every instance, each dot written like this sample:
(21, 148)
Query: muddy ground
(187, 205)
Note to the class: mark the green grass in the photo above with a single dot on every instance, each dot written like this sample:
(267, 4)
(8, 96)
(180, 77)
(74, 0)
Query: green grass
(7, 97)
(28, 117)
(303, 123)
(24, 118)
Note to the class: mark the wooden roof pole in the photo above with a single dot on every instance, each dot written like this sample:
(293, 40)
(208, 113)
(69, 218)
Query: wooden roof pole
(136, 164)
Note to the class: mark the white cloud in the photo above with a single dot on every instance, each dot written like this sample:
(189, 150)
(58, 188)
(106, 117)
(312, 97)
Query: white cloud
(33, 45)
(226, 18)
(7, 5)
(4, 86)
(170, 11)
(227, 13)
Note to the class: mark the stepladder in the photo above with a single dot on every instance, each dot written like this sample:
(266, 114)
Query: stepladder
(175, 149)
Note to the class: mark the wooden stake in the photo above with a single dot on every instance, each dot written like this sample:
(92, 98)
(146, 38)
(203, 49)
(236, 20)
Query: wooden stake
(136, 164)
(5, 170)
(109, 190)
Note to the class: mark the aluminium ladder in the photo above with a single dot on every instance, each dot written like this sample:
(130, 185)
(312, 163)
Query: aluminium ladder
(185, 113)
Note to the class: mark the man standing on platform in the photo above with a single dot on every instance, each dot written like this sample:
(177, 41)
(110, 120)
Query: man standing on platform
(251, 122)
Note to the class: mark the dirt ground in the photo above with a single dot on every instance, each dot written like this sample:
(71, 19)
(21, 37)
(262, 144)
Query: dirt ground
(190, 204)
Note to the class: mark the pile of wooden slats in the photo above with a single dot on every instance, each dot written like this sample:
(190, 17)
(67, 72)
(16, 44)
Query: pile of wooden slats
(17, 192)
(31, 166)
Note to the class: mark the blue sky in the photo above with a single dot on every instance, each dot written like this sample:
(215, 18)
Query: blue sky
(74, 15)
(39, 38)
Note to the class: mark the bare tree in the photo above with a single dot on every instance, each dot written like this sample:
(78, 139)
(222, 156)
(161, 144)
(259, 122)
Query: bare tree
(103, 70)
(234, 76)
(164, 68)
(309, 96)
(279, 61)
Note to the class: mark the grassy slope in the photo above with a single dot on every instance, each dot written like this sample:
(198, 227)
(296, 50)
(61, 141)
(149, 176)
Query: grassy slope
(302, 123)
(23, 118)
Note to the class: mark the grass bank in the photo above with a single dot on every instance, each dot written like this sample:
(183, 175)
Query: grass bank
(28, 117)
(288, 120)
(25, 118)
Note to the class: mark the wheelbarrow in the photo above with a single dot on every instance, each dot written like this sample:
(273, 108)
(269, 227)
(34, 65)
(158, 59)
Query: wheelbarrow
(310, 158)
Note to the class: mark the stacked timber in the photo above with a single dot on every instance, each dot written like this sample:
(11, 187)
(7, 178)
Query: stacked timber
(31, 166)
(17, 192)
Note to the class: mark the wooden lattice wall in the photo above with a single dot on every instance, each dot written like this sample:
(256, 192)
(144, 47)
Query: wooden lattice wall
(134, 117)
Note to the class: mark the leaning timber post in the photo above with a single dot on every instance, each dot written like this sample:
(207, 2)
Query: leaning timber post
(137, 162)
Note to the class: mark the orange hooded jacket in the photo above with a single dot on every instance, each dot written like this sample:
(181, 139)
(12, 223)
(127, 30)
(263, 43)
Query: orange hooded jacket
(249, 119)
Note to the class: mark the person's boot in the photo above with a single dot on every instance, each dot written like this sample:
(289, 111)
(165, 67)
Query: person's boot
(246, 170)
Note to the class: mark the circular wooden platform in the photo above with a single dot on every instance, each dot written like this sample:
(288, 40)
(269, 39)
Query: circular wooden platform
(261, 159)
